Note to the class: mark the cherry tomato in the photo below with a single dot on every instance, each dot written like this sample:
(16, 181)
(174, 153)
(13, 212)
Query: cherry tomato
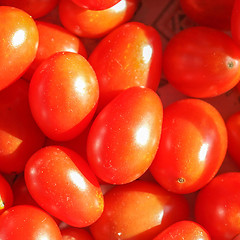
(52, 39)
(28, 223)
(217, 206)
(6, 195)
(18, 46)
(20, 137)
(35, 8)
(61, 182)
(216, 14)
(71, 233)
(192, 147)
(63, 95)
(96, 4)
(95, 24)
(130, 56)
(233, 129)
(186, 230)
(138, 211)
(202, 62)
(235, 21)
(124, 137)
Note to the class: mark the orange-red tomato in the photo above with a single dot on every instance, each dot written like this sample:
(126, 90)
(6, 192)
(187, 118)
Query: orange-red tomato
(18, 46)
(192, 147)
(95, 24)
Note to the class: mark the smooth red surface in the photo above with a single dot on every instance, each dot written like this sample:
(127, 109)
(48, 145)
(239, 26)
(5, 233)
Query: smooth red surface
(233, 129)
(20, 137)
(53, 39)
(28, 222)
(192, 148)
(218, 205)
(187, 230)
(19, 42)
(63, 95)
(138, 211)
(62, 183)
(202, 62)
(6, 195)
(35, 8)
(95, 24)
(216, 14)
(130, 56)
(96, 4)
(71, 233)
(124, 137)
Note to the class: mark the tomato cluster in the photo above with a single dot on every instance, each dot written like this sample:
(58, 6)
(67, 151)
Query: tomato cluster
(89, 148)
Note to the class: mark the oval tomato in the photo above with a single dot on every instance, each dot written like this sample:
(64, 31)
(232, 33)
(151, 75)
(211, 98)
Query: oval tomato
(192, 147)
(202, 62)
(28, 222)
(62, 183)
(130, 56)
(217, 206)
(186, 230)
(53, 39)
(95, 24)
(96, 4)
(124, 137)
(216, 14)
(63, 95)
(71, 233)
(20, 137)
(18, 46)
(6, 195)
(138, 211)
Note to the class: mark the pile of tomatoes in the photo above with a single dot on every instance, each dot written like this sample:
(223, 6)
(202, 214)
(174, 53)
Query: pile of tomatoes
(87, 148)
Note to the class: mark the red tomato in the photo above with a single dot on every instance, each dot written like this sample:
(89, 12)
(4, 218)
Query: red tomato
(233, 129)
(96, 4)
(192, 147)
(61, 182)
(202, 62)
(53, 39)
(124, 137)
(63, 95)
(28, 223)
(216, 14)
(186, 230)
(19, 135)
(71, 233)
(130, 56)
(18, 46)
(6, 195)
(218, 205)
(138, 211)
(95, 24)
(235, 21)
(35, 8)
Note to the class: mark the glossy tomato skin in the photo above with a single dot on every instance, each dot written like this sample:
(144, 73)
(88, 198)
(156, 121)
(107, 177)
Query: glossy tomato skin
(53, 39)
(235, 20)
(62, 183)
(71, 233)
(217, 206)
(192, 148)
(123, 139)
(216, 14)
(28, 222)
(202, 68)
(35, 8)
(138, 210)
(187, 230)
(6, 195)
(63, 95)
(20, 137)
(95, 24)
(96, 5)
(233, 129)
(19, 43)
(130, 56)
